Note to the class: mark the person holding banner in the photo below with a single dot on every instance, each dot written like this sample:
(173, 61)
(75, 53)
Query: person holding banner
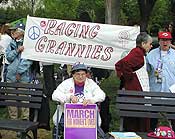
(77, 89)
(132, 72)
(18, 69)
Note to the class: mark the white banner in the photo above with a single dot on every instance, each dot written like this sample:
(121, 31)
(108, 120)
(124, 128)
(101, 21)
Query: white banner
(67, 42)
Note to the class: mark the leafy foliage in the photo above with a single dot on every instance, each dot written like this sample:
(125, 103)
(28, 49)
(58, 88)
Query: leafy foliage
(3, 1)
(95, 8)
(3, 113)
(7, 15)
(129, 14)
(160, 14)
(61, 9)
(110, 87)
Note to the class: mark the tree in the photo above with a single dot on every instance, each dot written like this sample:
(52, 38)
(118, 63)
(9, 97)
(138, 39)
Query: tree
(129, 14)
(35, 4)
(95, 9)
(3, 1)
(173, 9)
(160, 16)
(146, 7)
(9, 14)
(28, 7)
(61, 9)
(112, 11)
(173, 6)
(147, 13)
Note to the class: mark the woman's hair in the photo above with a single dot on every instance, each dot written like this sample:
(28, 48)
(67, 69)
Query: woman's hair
(142, 37)
(5, 29)
(166, 27)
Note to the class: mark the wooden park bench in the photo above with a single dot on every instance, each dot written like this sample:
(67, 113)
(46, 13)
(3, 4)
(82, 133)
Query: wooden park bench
(21, 95)
(145, 105)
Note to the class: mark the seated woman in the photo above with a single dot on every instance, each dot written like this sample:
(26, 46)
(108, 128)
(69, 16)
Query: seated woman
(77, 89)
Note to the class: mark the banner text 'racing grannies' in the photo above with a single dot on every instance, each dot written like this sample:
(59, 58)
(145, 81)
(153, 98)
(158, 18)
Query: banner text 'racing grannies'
(64, 42)
(71, 29)
(66, 48)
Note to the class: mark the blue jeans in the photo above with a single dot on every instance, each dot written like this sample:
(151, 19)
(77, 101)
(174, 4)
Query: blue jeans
(60, 129)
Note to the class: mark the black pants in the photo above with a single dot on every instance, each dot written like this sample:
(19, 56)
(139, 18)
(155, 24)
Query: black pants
(49, 81)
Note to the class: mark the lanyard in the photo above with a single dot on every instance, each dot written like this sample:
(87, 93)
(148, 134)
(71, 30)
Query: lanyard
(159, 62)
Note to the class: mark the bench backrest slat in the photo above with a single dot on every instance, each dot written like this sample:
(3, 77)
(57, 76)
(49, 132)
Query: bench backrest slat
(21, 104)
(145, 104)
(147, 108)
(20, 98)
(142, 114)
(139, 101)
(21, 95)
(18, 91)
(21, 85)
(142, 93)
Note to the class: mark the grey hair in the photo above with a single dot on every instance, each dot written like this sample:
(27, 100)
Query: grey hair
(142, 37)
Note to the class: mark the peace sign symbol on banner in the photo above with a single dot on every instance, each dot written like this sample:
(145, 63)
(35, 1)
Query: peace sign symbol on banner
(34, 33)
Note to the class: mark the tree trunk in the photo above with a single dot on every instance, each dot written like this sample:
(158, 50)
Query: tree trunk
(173, 10)
(146, 7)
(112, 11)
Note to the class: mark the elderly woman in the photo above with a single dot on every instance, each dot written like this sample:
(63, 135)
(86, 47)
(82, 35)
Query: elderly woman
(77, 89)
(127, 67)
(127, 70)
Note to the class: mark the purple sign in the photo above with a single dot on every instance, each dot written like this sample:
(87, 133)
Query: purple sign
(80, 122)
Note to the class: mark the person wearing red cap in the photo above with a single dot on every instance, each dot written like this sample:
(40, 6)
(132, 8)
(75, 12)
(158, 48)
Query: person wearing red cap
(161, 64)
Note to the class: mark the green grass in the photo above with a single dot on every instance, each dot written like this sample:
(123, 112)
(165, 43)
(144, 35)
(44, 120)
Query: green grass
(3, 113)
(52, 111)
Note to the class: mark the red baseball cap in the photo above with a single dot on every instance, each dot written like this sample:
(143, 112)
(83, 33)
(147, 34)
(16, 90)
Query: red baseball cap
(164, 35)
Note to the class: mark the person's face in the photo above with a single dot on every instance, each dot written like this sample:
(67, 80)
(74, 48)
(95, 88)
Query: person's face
(80, 76)
(170, 28)
(147, 45)
(164, 44)
(17, 35)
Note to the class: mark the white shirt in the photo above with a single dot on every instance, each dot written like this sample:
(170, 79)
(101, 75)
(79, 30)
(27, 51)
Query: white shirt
(4, 43)
(64, 90)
